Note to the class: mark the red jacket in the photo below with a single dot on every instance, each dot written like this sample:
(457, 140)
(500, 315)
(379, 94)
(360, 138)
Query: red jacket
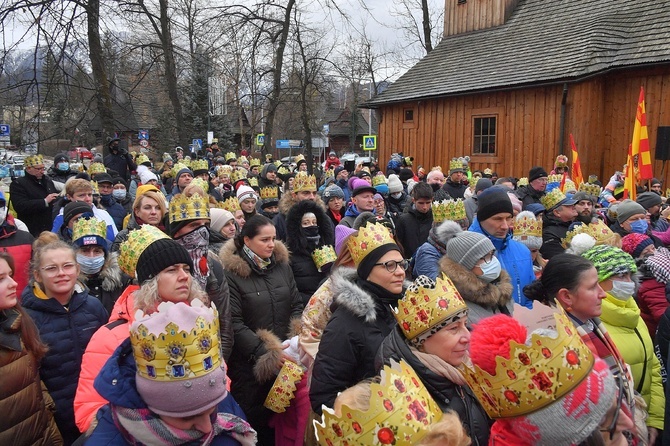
(332, 163)
(652, 300)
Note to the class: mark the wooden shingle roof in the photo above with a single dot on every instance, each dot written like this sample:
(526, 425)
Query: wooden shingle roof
(543, 41)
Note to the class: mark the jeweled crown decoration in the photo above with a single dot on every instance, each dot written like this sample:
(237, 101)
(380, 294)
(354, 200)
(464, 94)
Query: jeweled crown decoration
(554, 178)
(230, 156)
(166, 350)
(527, 226)
(551, 199)
(202, 184)
(142, 158)
(304, 182)
(254, 162)
(137, 241)
(89, 227)
(569, 186)
(592, 189)
(488, 171)
(282, 170)
(299, 158)
(323, 256)
(34, 160)
(199, 165)
(367, 239)
(283, 390)
(231, 204)
(379, 179)
(177, 167)
(535, 376)
(224, 170)
(597, 229)
(523, 181)
(243, 160)
(253, 181)
(455, 164)
(184, 208)
(453, 210)
(427, 304)
(401, 412)
(95, 168)
(269, 193)
(238, 174)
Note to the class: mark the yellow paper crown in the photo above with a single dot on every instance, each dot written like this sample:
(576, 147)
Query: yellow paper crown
(253, 181)
(523, 181)
(186, 161)
(177, 167)
(552, 198)
(183, 208)
(592, 189)
(231, 204)
(304, 182)
(238, 174)
(554, 178)
(401, 411)
(527, 226)
(33, 160)
(367, 239)
(175, 345)
(253, 162)
(91, 227)
(283, 390)
(142, 158)
(199, 165)
(224, 170)
(569, 186)
(299, 158)
(323, 256)
(455, 164)
(242, 160)
(96, 168)
(230, 156)
(535, 376)
(488, 171)
(601, 232)
(379, 179)
(202, 184)
(137, 241)
(277, 163)
(283, 170)
(453, 210)
(579, 229)
(269, 193)
(96, 190)
(428, 306)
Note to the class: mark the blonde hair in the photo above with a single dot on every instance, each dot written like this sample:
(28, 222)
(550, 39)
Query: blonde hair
(45, 242)
(146, 298)
(155, 195)
(77, 185)
(448, 431)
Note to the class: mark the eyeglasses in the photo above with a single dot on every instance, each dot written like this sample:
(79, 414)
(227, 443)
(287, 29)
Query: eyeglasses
(52, 270)
(615, 419)
(392, 265)
(487, 258)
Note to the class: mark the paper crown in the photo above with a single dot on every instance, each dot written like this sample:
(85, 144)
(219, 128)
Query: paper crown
(142, 158)
(230, 156)
(277, 163)
(283, 170)
(137, 241)
(254, 162)
(283, 390)
(527, 226)
(561, 161)
(96, 168)
(202, 184)
(401, 412)
(199, 165)
(243, 160)
(488, 171)
(367, 239)
(379, 179)
(224, 170)
(453, 210)
(592, 189)
(428, 306)
(535, 376)
(569, 186)
(183, 208)
(323, 256)
(253, 181)
(231, 204)
(238, 174)
(89, 227)
(269, 193)
(176, 345)
(523, 181)
(554, 178)
(186, 161)
(455, 164)
(177, 167)
(552, 199)
(33, 160)
(96, 189)
(299, 158)
(304, 182)
(593, 178)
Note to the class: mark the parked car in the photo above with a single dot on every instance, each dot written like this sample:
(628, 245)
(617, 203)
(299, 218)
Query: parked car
(80, 153)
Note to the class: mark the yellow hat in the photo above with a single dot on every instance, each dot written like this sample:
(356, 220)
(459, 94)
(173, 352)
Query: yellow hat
(96, 168)
(33, 160)
(367, 239)
(304, 182)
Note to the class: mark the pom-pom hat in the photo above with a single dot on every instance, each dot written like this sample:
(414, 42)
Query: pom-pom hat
(635, 243)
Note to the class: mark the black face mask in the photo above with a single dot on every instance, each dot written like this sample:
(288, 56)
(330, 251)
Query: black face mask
(311, 233)
(435, 187)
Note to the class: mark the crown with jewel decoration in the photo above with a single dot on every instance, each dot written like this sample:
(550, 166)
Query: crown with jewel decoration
(299, 158)
(231, 204)
(202, 184)
(183, 208)
(578, 229)
(199, 165)
(283, 170)
(89, 227)
(554, 178)
(535, 375)
(142, 158)
(186, 161)
(323, 256)
(455, 164)
(367, 239)
(400, 413)
(224, 170)
(304, 182)
(230, 156)
(427, 307)
(569, 186)
(269, 193)
(488, 171)
(453, 210)
(133, 247)
(254, 162)
(96, 168)
(602, 233)
(523, 181)
(527, 225)
(96, 189)
(177, 167)
(283, 390)
(592, 189)
(243, 160)
(238, 174)
(379, 179)
(552, 199)
(33, 160)
(176, 343)
(253, 181)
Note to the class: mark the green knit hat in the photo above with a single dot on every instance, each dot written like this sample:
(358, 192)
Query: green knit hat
(610, 261)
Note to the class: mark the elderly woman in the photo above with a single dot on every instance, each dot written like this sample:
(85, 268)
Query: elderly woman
(149, 208)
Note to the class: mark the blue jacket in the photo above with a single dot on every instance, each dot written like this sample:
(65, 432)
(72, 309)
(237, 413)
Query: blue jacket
(67, 333)
(116, 383)
(514, 258)
(114, 209)
(426, 261)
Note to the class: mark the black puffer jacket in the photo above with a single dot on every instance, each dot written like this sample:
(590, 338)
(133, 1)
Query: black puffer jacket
(528, 195)
(412, 229)
(455, 190)
(448, 395)
(553, 231)
(27, 195)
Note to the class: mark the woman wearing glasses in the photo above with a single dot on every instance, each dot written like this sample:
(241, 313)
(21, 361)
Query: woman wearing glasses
(362, 315)
(66, 317)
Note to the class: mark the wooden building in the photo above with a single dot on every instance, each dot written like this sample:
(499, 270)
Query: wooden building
(512, 79)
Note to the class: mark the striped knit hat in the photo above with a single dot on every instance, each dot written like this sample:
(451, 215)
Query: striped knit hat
(659, 264)
(610, 261)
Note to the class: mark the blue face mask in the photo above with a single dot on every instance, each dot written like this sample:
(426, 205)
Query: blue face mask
(63, 166)
(119, 194)
(639, 226)
(90, 265)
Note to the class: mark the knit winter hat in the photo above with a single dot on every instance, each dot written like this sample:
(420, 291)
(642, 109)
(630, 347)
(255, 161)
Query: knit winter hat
(341, 233)
(219, 218)
(492, 201)
(74, 208)
(649, 199)
(405, 174)
(182, 172)
(146, 175)
(626, 209)
(483, 184)
(359, 186)
(659, 265)
(395, 185)
(467, 248)
(635, 243)
(536, 172)
(610, 261)
(332, 191)
(245, 192)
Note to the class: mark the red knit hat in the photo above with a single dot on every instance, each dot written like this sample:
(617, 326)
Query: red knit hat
(635, 243)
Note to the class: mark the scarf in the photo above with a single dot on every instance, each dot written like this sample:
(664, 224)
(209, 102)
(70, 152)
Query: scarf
(10, 330)
(141, 426)
(256, 260)
(435, 241)
(141, 222)
(381, 294)
(196, 243)
(440, 367)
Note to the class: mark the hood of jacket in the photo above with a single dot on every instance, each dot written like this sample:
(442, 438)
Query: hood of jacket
(235, 263)
(474, 290)
(287, 201)
(116, 380)
(51, 305)
(620, 313)
(295, 241)
(111, 274)
(349, 295)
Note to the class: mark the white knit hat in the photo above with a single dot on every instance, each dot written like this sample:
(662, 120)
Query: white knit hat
(245, 192)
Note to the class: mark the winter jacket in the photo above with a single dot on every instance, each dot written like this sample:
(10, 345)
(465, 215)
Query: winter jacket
(455, 190)
(100, 214)
(285, 203)
(515, 259)
(121, 163)
(216, 241)
(67, 332)
(483, 299)
(528, 195)
(264, 306)
(116, 383)
(332, 163)
(426, 260)
(27, 196)
(652, 299)
(412, 230)
(18, 244)
(26, 407)
(219, 293)
(553, 231)
(470, 205)
(108, 284)
(356, 329)
(447, 394)
(629, 333)
(59, 175)
(114, 209)
(396, 206)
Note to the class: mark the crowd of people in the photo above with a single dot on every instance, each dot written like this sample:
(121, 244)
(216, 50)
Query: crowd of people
(217, 298)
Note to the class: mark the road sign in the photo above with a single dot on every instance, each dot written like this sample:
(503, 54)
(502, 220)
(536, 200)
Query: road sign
(144, 143)
(283, 144)
(143, 135)
(197, 144)
(326, 129)
(4, 133)
(370, 142)
(260, 139)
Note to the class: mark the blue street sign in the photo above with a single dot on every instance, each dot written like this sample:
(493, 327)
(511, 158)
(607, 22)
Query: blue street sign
(4, 130)
(197, 144)
(260, 139)
(283, 144)
(143, 134)
(370, 142)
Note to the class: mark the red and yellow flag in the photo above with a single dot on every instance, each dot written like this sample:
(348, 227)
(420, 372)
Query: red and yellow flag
(640, 144)
(630, 184)
(576, 169)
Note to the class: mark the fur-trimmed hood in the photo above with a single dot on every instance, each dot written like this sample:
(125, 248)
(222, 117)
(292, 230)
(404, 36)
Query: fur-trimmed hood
(235, 263)
(111, 274)
(474, 290)
(287, 201)
(294, 239)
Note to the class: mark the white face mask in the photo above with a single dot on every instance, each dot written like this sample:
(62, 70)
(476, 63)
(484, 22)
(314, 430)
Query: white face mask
(622, 290)
(397, 195)
(491, 270)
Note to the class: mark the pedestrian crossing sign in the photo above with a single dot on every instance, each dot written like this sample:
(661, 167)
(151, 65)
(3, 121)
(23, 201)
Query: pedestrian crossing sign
(260, 139)
(370, 142)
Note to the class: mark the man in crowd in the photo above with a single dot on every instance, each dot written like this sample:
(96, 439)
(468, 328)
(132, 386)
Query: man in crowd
(536, 187)
(412, 227)
(119, 160)
(585, 207)
(33, 196)
(362, 200)
(558, 217)
(454, 186)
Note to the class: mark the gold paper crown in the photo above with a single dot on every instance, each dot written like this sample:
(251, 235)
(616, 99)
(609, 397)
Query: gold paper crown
(84, 227)
(166, 350)
(592, 189)
(230, 156)
(527, 226)
(137, 241)
(33, 160)
(238, 174)
(552, 198)
(242, 160)
(253, 162)
(199, 165)
(177, 167)
(184, 208)
(186, 161)
(453, 210)
(488, 171)
(379, 179)
(224, 170)
(283, 170)
(569, 186)
(142, 158)
(277, 163)
(304, 182)
(535, 376)
(427, 304)
(455, 164)
(299, 158)
(231, 204)
(554, 178)
(283, 390)
(96, 189)
(367, 239)
(561, 161)
(269, 193)
(323, 256)
(204, 185)
(601, 232)
(579, 229)
(96, 168)
(401, 412)
(523, 181)
(253, 181)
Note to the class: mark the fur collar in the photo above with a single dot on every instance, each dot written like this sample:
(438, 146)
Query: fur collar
(295, 242)
(287, 201)
(235, 263)
(350, 296)
(477, 291)
(111, 274)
